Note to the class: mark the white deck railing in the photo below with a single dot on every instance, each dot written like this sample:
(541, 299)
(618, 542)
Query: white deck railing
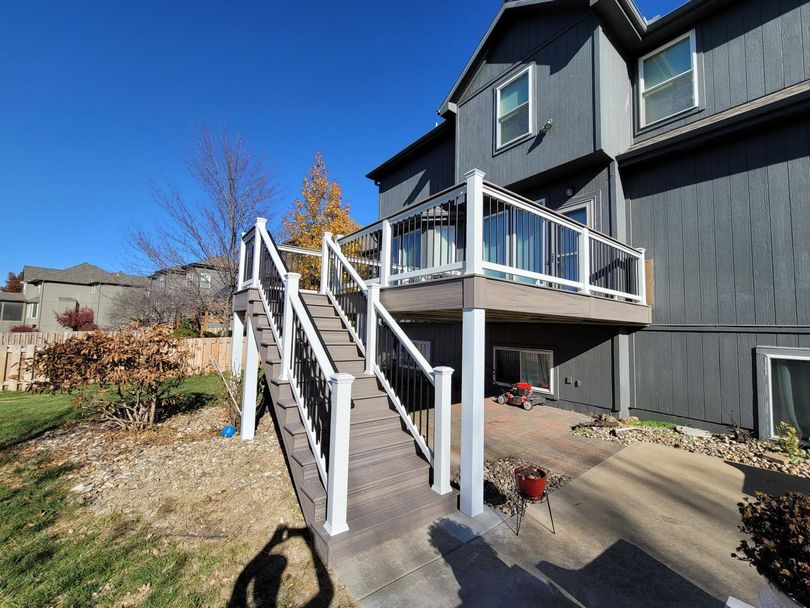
(322, 396)
(413, 385)
(480, 228)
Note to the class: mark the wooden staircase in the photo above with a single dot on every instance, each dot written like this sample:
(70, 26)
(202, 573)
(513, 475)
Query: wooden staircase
(389, 487)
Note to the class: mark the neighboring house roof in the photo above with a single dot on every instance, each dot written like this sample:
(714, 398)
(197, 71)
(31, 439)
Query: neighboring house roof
(445, 128)
(81, 274)
(212, 263)
(8, 296)
(623, 18)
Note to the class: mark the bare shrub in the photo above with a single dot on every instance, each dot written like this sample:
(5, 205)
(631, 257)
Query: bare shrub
(135, 370)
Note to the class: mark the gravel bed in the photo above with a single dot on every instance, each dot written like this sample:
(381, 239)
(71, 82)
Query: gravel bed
(500, 489)
(721, 446)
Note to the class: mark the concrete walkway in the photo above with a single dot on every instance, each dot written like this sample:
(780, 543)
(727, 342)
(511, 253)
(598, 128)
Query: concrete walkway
(650, 526)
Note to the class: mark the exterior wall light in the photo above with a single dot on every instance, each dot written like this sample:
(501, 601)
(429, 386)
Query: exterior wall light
(547, 127)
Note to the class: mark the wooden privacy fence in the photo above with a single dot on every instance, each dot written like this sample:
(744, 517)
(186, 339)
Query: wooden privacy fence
(37, 337)
(16, 360)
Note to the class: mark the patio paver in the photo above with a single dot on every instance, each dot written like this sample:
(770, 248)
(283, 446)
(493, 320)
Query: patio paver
(542, 436)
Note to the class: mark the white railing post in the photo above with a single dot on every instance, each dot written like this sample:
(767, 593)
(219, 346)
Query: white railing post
(287, 338)
(337, 490)
(474, 254)
(585, 261)
(240, 278)
(385, 253)
(237, 339)
(258, 243)
(372, 297)
(641, 274)
(442, 380)
(325, 261)
(250, 380)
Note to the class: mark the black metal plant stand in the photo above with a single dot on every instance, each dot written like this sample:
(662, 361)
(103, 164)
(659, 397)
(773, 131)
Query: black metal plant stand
(521, 509)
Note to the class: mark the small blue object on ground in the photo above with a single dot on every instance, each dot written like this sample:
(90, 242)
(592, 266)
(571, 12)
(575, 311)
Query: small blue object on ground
(228, 431)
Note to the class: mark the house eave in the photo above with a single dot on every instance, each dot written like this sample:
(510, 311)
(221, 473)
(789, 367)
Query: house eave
(426, 139)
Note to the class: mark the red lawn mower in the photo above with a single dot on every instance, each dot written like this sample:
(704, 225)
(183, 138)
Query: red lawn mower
(521, 394)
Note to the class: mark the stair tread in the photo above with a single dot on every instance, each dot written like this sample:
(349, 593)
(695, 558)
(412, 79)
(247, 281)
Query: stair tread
(381, 511)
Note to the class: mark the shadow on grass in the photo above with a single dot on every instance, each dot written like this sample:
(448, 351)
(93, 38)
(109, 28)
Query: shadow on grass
(260, 581)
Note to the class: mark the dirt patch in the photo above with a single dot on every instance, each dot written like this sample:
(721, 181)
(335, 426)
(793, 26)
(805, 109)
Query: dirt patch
(208, 493)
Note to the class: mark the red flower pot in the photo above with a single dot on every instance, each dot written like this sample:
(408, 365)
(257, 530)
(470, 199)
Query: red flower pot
(531, 481)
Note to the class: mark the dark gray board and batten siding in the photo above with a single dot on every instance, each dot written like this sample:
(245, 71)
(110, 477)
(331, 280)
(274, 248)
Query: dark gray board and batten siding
(749, 49)
(728, 229)
(420, 176)
(564, 87)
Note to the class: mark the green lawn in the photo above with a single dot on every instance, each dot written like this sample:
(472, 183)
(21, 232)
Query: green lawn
(54, 552)
(26, 415)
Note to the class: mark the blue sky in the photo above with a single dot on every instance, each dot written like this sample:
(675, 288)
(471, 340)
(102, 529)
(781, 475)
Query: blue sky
(100, 97)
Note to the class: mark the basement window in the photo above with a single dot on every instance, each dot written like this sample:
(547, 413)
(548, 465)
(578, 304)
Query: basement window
(512, 365)
(783, 390)
(513, 108)
(405, 360)
(668, 83)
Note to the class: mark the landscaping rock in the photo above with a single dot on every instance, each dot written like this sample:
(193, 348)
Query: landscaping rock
(692, 432)
(753, 452)
(500, 489)
(777, 457)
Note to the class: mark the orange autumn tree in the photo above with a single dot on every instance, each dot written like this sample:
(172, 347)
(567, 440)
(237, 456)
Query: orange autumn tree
(320, 209)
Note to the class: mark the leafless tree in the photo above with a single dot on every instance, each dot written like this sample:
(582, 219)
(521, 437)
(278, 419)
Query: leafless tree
(237, 187)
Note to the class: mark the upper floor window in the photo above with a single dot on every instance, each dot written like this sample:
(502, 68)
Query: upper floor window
(668, 80)
(513, 108)
(205, 280)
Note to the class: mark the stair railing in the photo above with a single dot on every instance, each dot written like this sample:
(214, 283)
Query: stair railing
(420, 393)
(322, 396)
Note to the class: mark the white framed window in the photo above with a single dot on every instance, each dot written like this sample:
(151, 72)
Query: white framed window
(189, 279)
(783, 387)
(668, 80)
(424, 348)
(11, 311)
(33, 308)
(535, 366)
(205, 280)
(514, 108)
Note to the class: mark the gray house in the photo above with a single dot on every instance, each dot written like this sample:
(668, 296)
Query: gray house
(49, 291)
(612, 210)
(687, 137)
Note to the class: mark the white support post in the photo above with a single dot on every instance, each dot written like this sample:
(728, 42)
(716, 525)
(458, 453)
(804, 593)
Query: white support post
(249, 383)
(240, 278)
(325, 261)
(337, 479)
(287, 338)
(472, 411)
(442, 379)
(641, 276)
(585, 261)
(474, 254)
(237, 339)
(258, 244)
(385, 253)
(371, 326)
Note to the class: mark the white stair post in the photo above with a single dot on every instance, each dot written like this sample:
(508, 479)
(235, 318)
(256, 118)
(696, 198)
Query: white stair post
(337, 479)
(237, 339)
(258, 245)
(287, 338)
(442, 380)
(385, 253)
(372, 296)
(249, 381)
(641, 275)
(585, 261)
(240, 278)
(472, 411)
(474, 254)
(325, 261)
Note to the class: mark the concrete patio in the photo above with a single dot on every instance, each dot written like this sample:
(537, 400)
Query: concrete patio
(647, 526)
